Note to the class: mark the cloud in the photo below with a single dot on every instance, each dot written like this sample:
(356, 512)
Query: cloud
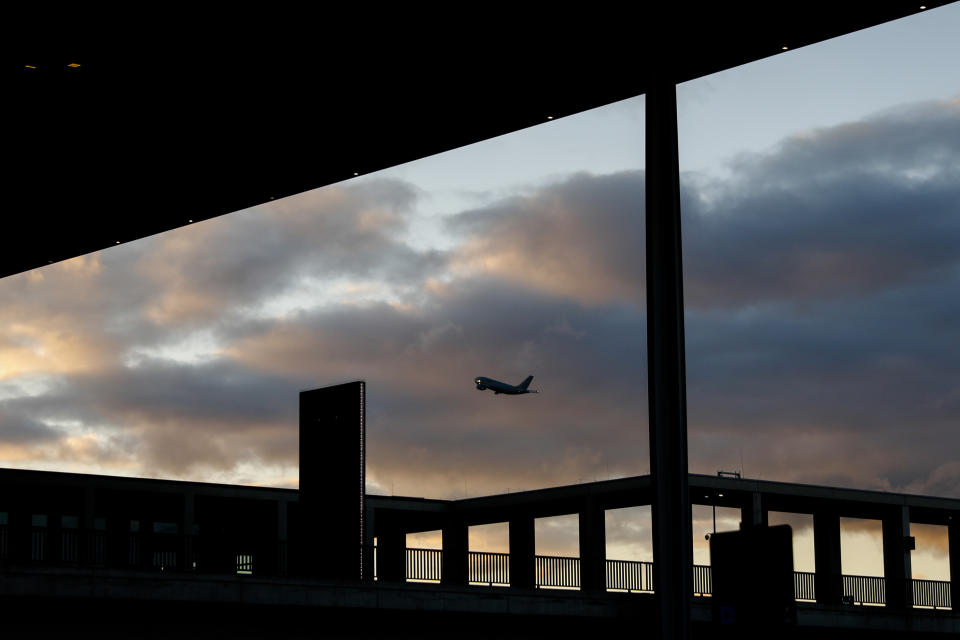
(581, 238)
(834, 212)
(821, 336)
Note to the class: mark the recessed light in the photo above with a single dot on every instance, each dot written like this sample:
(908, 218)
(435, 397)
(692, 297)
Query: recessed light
(784, 48)
(355, 173)
(922, 7)
(549, 117)
(189, 220)
(118, 242)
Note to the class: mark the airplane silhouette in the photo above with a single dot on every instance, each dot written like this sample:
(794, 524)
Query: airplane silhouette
(502, 387)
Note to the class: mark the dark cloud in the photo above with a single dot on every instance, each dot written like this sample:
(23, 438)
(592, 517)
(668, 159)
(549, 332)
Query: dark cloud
(837, 212)
(20, 429)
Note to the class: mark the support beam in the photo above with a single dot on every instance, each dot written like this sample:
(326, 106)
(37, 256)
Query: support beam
(896, 558)
(593, 548)
(752, 512)
(826, 549)
(522, 549)
(672, 527)
(189, 532)
(953, 537)
(455, 542)
(282, 544)
(391, 553)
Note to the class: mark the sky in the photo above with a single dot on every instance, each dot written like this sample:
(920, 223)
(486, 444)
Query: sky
(821, 217)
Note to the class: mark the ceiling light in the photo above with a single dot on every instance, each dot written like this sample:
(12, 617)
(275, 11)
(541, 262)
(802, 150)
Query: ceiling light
(784, 48)
(355, 173)
(549, 117)
(118, 242)
(30, 66)
(73, 65)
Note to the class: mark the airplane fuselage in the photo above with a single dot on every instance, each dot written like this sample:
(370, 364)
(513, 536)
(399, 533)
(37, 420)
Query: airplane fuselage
(502, 387)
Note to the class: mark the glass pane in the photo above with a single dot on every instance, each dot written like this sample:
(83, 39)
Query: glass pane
(180, 355)
(819, 192)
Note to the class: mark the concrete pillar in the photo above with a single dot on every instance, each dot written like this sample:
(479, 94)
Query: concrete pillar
(88, 535)
(752, 512)
(593, 548)
(189, 533)
(953, 533)
(455, 536)
(522, 549)
(826, 548)
(370, 526)
(282, 526)
(896, 558)
(391, 553)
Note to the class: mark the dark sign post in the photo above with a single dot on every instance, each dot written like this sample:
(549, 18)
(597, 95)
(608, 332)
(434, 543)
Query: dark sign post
(753, 580)
(332, 477)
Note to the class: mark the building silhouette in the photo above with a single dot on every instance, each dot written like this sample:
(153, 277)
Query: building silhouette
(115, 552)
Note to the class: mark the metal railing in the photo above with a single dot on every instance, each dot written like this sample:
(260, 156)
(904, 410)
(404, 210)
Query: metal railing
(931, 593)
(166, 552)
(804, 587)
(864, 589)
(424, 565)
(702, 580)
(557, 572)
(629, 575)
(491, 569)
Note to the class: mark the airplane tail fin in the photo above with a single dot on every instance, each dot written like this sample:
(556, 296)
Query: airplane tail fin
(526, 383)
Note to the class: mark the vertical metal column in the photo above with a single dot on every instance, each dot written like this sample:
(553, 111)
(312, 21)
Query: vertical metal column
(672, 527)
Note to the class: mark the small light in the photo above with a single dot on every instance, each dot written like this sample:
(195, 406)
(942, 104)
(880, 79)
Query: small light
(355, 173)
(784, 48)
(720, 495)
(189, 220)
(30, 66)
(118, 242)
(73, 65)
(549, 117)
(922, 7)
